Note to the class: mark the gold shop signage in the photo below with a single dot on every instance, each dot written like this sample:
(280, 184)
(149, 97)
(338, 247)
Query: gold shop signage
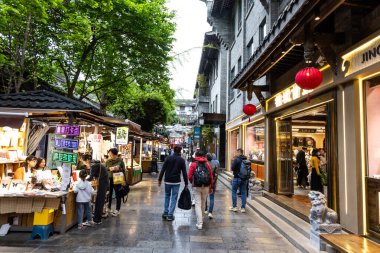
(288, 95)
(361, 57)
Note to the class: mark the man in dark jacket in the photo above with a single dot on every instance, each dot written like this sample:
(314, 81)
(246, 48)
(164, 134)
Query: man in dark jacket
(302, 168)
(237, 182)
(172, 168)
(99, 172)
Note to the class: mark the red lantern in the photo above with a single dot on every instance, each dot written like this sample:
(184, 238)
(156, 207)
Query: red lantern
(309, 79)
(249, 109)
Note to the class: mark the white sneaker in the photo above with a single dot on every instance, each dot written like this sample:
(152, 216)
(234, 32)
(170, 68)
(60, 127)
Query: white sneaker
(210, 216)
(80, 226)
(115, 213)
(206, 212)
(193, 202)
(242, 210)
(233, 209)
(199, 227)
(88, 224)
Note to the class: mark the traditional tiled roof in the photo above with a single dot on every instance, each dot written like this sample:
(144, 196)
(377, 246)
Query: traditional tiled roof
(43, 99)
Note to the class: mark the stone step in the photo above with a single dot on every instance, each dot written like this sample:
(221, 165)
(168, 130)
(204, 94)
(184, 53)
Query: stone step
(294, 229)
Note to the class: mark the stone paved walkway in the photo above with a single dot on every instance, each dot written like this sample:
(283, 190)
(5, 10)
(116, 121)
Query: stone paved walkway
(140, 229)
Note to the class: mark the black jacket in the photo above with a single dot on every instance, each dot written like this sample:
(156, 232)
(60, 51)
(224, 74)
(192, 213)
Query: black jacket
(99, 171)
(173, 166)
(301, 158)
(236, 164)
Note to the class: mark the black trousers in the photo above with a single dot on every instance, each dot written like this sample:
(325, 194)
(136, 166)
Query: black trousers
(115, 187)
(153, 166)
(302, 176)
(99, 204)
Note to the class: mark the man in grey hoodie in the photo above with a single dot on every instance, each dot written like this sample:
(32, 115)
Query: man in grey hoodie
(238, 182)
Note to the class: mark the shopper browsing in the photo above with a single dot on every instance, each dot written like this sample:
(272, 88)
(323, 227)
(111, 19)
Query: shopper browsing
(98, 172)
(241, 169)
(84, 191)
(200, 175)
(114, 165)
(173, 166)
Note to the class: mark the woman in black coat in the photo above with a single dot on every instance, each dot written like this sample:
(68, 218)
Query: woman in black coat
(99, 172)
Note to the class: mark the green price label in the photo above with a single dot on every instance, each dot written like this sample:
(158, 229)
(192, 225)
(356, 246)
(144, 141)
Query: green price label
(65, 157)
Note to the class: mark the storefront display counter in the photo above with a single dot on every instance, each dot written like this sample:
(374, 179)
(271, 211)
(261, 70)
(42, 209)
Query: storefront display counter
(134, 175)
(257, 167)
(145, 164)
(4, 165)
(19, 210)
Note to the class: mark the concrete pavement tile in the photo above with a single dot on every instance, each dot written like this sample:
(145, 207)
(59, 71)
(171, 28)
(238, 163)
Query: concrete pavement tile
(155, 244)
(206, 239)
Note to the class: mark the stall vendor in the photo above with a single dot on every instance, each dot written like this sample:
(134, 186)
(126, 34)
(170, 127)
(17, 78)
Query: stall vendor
(25, 173)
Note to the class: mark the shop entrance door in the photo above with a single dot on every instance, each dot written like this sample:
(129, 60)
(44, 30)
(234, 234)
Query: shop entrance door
(284, 166)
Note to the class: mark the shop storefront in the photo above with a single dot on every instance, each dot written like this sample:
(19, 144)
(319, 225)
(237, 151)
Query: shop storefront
(294, 124)
(255, 146)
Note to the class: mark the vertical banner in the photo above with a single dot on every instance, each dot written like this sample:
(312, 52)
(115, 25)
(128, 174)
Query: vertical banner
(122, 135)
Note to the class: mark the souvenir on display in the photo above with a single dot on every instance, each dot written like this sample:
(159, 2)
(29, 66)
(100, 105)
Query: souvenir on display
(5, 183)
(18, 186)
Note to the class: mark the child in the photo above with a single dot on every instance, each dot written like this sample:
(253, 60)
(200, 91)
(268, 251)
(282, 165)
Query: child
(84, 191)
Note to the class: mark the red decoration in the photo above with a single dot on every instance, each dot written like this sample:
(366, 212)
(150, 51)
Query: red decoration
(249, 109)
(309, 79)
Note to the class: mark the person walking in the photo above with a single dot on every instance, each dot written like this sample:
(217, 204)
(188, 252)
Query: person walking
(238, 181)
(114, 164)
(302, 171)
(84, 192)
(173, 166)
(98, 172)
(214, 164)
(200, 175)
(316, 180)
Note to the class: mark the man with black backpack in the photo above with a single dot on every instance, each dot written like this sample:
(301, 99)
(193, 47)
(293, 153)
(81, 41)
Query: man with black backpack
(200, 175)
(172, 168)
(241, 168)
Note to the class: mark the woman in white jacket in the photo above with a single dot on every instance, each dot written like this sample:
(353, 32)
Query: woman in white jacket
(84, 192)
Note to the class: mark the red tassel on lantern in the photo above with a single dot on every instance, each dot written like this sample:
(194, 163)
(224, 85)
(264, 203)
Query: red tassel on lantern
(309, 79)
(249, 110)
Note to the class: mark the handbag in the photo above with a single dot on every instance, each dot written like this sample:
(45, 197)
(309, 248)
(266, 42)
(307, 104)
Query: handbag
(123, 192)
(184, 201)
(118, 177)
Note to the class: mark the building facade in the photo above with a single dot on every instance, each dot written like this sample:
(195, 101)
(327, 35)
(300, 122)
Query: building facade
(267, 43)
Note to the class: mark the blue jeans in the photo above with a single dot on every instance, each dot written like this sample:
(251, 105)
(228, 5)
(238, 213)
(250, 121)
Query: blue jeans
(212, 197)
(171, 196)
(242, 184)
(87, 208)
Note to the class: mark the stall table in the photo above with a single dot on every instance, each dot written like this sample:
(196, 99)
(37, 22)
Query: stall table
(24, 207)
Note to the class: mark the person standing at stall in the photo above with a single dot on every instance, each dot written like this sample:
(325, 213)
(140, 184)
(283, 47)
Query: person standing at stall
(153, 165)
(98, 172)
(84, 192)
(114, 164)
(316, 180)
(25, 173)
(41, 164)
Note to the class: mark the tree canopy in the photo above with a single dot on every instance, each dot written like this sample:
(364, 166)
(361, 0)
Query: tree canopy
(90, 49)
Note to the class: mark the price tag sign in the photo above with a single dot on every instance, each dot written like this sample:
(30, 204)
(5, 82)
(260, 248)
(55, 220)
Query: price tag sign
(66, 143)
(67, 130)
(65, 157)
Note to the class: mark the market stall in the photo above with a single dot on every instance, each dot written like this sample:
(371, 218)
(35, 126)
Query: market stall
(59, 129)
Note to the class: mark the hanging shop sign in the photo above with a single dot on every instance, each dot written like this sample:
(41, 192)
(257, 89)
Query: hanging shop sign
(95, 138)
(122, 135)
(288, 95)
(361, 57)
(67, 130)
(197, 133)
(65, 157)
(66, 143)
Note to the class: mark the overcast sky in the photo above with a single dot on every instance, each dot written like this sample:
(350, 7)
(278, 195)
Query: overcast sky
(191, 19)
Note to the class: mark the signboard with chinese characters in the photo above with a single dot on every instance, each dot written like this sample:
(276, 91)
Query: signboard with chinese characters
(197, 133)
(66, 143)
(122, 135)
(289, 94)
(67, 130)
(65, 157)
(307, 130)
